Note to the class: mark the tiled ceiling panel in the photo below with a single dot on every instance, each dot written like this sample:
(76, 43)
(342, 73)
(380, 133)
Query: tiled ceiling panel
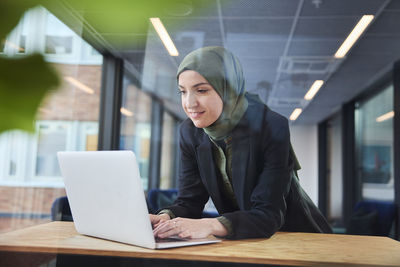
(387, 24)
(316, 47)
(262, 49)
(324, 28)
(258, 8)
(272, 28)
(284, 46)
(340, 7)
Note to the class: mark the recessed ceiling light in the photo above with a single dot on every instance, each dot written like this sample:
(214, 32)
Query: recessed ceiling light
(313, 89)
(295, 114)
(164, 36)
(79, 85)
(354, 35)
(126, 112)
(385, 116)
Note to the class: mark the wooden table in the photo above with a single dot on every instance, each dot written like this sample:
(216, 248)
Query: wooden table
(293, 249)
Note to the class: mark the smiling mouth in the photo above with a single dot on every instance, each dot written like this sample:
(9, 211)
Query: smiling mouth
(196, 115)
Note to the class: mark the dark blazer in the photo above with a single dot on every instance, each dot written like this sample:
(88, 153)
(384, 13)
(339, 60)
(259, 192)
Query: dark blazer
(265, 185)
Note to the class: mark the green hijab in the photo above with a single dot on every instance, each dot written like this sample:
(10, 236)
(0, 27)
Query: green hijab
(224, 72)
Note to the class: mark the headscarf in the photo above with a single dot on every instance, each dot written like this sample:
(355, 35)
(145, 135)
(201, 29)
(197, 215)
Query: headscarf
(224, 72)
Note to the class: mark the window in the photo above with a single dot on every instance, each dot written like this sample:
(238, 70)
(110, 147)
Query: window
(58, 39)
(374, 145)
(67, 120)
(168, 152)
(136, 126)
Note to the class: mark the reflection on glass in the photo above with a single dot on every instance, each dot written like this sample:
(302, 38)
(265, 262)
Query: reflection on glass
(59, 38)
(136, 127)
(51, 138)
(374, 140)
(167, 152)
(22, 44)
(67, 120)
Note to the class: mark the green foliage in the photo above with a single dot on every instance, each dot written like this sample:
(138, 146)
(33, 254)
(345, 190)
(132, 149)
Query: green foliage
(23, 84)
(26, 80)
(23, 81)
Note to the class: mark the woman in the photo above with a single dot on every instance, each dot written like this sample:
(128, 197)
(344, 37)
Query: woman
(237, 151)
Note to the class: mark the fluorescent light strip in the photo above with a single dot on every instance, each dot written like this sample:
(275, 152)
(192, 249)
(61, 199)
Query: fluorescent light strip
(295, 114)
(126, 112)
(313, 89)
(79, 85)
(385, 116)
(354, 35)
(164, 36)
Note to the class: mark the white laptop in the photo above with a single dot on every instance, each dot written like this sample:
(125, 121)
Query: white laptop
(106, 197)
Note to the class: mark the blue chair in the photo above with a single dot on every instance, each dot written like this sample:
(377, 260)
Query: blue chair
(159, 198)
(60, 210)
(372, 217)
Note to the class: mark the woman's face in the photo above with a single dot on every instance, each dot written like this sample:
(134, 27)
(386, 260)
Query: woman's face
(200, 101)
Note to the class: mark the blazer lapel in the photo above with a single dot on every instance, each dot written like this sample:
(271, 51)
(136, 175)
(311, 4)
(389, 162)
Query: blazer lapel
(206, 165)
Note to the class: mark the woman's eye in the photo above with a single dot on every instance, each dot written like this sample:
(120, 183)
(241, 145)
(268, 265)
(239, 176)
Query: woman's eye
(181, 92)
(202, 91)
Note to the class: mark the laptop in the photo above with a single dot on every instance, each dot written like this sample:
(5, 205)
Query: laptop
(107, 200)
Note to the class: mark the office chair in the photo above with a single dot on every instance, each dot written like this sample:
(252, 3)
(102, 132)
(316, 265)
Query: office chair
(60, 210)
(372, 217)
(159, 198)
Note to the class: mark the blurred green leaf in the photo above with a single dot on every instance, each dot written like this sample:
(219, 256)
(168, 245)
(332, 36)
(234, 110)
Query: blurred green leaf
(23, 84)
(11, 12)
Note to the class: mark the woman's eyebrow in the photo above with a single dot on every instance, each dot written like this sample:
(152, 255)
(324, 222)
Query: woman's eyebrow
(197, 84)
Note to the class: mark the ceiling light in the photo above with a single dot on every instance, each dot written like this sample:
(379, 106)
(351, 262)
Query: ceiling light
(126, 112)
(354, 35)
(164, 36)
(296, 113)
(385, 116)
(313, 89)
(79, 85)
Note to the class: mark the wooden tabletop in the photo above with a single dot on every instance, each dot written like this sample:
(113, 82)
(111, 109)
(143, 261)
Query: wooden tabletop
(295, 249)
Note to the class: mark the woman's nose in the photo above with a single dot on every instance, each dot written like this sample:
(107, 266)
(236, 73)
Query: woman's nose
(191, 100)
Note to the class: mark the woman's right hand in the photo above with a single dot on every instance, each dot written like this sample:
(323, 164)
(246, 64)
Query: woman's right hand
(157, 219)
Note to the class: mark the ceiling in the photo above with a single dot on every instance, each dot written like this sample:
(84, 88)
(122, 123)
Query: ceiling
(283, 45)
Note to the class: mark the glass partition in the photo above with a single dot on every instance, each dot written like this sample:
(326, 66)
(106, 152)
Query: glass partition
(168, 152)
(374, 145)
(136, 126)
(67, 120)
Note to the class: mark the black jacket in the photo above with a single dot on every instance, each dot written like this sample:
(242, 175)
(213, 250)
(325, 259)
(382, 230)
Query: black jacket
(267, 190)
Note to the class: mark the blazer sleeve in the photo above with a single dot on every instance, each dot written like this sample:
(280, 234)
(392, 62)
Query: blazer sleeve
(268, 206)
(192, 195)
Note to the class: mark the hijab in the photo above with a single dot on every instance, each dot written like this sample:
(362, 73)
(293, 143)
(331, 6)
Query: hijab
(224, 72)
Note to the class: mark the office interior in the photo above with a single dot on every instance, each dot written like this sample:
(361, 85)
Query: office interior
(119, 92)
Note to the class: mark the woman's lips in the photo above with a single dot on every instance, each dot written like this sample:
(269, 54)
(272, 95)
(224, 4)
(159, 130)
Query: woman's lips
(196, 115)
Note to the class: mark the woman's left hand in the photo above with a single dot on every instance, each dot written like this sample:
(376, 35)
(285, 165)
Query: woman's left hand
(189, 228)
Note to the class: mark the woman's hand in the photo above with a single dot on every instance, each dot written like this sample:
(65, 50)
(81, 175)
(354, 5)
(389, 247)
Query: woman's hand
(157, 219)
(190, 228)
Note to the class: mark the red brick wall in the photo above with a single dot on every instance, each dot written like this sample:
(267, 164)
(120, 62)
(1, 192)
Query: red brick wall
(70, 103)
(25, 200)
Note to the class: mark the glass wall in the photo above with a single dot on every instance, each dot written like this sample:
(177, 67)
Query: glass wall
(67, 119)
(136, 126)
(168, 152)
(374, 145)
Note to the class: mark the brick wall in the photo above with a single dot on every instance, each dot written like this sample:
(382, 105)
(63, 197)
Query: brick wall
(25, 206)
(70, 103)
